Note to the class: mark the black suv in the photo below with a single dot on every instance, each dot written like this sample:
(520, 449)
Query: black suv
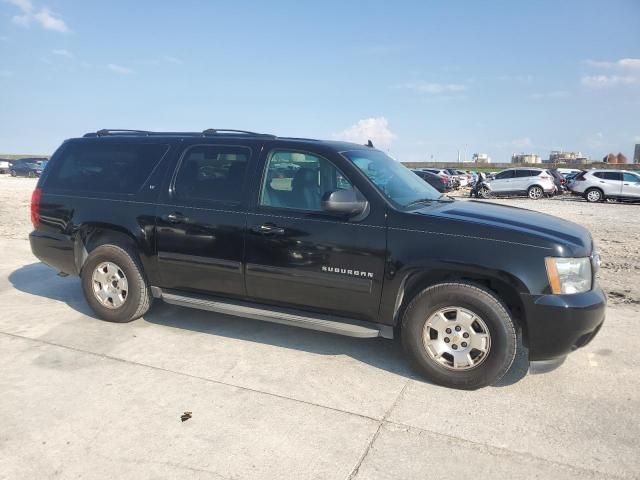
(325, 235)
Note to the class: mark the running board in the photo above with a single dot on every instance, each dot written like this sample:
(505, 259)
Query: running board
(293, 318)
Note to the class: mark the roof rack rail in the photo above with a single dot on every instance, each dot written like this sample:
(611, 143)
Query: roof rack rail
(120, 131)
(216, 131)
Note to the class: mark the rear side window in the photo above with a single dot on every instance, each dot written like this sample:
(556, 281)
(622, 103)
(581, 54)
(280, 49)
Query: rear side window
(527, 173)
(105, 167)
(212, 173)
(613, 176)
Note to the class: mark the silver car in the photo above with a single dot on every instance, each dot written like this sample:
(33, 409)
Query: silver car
(532, 182)
(597, 185)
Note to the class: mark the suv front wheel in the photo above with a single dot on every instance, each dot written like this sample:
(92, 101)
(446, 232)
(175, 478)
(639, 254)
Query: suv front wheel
(459, 335)
(114, 285)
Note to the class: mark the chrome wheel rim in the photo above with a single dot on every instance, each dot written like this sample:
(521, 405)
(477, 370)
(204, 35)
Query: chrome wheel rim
(110, 286)
(593, 196)
(535, 193)
(456, 338)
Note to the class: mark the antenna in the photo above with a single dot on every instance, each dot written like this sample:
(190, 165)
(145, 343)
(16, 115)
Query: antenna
(370, 144)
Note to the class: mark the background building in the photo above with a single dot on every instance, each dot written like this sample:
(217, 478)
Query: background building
(569, 158)
(636, 154)
(481, 158)
(525, 158)
(613, 158)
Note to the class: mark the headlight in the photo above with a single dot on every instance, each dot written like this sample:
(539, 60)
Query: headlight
(569, 275)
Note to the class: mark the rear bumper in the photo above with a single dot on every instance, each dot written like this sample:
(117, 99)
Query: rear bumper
(559, 324)
(55, 250)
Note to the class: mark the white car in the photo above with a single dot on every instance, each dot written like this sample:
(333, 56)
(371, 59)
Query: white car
(532, 182)
(5, 166)
(598, 185)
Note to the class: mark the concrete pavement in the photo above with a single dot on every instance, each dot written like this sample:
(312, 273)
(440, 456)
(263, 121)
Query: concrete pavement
(85, 398)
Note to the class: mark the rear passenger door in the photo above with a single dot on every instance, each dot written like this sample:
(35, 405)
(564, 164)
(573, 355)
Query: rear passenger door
(201, 221)
(611, 182)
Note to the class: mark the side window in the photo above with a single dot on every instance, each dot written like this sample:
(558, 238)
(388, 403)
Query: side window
(630, 177)
(599, 174)
(525, 173)
(212, 173)
(299, 180)
(504, 175)
(105, 167)
(613, 176)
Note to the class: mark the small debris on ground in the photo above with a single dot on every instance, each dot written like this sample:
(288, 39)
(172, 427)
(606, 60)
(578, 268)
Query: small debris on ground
(185, 416)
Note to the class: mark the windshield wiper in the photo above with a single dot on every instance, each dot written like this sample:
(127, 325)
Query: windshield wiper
(420, 200)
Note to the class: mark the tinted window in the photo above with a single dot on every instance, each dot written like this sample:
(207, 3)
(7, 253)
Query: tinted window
(212, 173)
(527, 173)
(630, 177)
(599, 174)
(613, 176)
(105, 167)
(299, 181)
(505, 174)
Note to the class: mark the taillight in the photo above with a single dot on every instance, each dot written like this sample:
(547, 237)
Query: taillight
(579, 178)
(35, 207)
(445, 178)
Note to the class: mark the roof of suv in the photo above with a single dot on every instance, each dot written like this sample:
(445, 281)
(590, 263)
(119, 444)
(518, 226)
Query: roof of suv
(227, 133)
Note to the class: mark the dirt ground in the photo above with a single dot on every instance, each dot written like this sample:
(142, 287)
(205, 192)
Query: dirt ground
(614, 226)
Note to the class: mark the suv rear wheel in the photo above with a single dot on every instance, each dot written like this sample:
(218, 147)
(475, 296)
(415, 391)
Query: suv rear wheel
(594, 195)
(459, 335)
(535, 192)
(114, 285)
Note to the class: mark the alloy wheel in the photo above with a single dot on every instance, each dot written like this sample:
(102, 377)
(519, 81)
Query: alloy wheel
(110, 285)
(456, 338)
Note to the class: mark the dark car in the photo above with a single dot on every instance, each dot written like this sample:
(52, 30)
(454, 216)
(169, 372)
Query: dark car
(25, 167)
(436, 181)
(347, 241)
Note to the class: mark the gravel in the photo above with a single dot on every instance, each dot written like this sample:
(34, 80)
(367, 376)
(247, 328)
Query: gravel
(614, 226)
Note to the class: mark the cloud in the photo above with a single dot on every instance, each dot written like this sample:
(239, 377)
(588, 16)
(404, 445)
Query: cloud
(626, 63)
(119, 69)
(375, 129)
(608, 81)
(553, 94)
(62, 52)
(433, 88)
(41, 16)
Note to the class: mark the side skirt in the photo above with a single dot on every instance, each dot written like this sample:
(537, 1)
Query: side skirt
(295, 318)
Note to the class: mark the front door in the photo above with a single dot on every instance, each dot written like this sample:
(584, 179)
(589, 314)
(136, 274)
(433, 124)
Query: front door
(502, 182)
(299, 256)
(201, 222)
(631, 185)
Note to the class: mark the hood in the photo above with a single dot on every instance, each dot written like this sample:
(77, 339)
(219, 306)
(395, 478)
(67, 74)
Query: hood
(502, 222)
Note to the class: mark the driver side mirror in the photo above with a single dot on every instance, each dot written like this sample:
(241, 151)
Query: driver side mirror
(344, 202)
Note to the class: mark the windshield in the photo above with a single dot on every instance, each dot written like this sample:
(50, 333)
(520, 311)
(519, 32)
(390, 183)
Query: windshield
(399, 184)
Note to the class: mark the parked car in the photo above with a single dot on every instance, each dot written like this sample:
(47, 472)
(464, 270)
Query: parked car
(558, 179)
(436, 181)
(25, 167)
(599, 184)
(460, 176)
(451, 181)
(532, 182)
(350, 242)
(5, 166)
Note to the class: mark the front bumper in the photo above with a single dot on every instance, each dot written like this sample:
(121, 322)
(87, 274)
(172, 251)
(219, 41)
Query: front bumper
(559, 324)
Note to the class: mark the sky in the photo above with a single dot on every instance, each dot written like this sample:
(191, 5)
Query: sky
(423, 80)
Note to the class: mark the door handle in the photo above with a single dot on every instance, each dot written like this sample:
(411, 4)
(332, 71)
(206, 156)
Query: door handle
(267, 229)
(175, 217)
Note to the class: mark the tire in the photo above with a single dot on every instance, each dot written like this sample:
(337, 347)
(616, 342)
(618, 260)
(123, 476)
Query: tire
(466, 299)
(594, 195)
(13, 173)
(535, 192)
(31, 175)
(122, 264)
(484, 192)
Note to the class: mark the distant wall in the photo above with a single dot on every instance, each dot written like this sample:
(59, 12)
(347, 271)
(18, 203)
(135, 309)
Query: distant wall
(17, 156)
(502, 166)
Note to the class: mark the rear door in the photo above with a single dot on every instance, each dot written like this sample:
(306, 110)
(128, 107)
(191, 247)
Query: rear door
(201, 220)
(630, 185)
(612, 183)
(298, 255)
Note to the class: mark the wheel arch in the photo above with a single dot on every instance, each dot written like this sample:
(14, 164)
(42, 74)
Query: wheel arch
(504, 285)
(92, 235)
